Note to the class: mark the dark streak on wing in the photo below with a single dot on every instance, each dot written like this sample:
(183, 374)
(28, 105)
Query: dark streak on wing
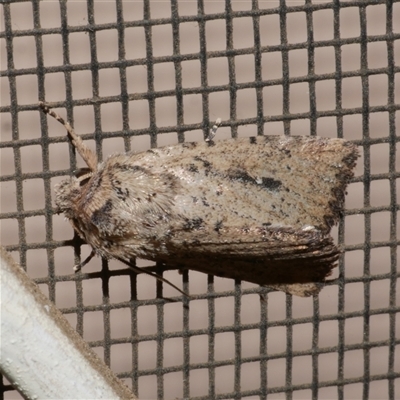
(271, 183)
(102, 217)
(193, 224)
(266, 182)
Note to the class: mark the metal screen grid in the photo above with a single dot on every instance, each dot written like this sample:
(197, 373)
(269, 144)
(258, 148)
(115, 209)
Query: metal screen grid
(346, 352)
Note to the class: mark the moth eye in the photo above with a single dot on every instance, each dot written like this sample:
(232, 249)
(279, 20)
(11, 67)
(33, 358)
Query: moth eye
(84, 181)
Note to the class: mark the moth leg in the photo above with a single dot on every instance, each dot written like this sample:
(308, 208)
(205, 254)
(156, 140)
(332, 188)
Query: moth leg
(140, 270)
(213, 130)
(79, 266)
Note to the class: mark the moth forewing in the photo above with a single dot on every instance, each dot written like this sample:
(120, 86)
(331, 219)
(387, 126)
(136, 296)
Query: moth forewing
(257, 209)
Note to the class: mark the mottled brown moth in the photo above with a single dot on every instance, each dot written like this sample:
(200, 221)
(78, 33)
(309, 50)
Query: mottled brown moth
(258, 209)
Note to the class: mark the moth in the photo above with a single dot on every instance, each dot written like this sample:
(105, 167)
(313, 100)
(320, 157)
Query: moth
(258, 209)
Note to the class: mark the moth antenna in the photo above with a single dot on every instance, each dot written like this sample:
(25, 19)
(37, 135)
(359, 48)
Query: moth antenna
(154, 275)
(88, 155)
(213, 130)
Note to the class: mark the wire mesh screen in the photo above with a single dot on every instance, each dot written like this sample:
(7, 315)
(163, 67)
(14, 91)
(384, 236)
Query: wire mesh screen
(135, 75)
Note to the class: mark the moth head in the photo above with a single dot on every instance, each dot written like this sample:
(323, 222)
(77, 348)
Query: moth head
(68, 194)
